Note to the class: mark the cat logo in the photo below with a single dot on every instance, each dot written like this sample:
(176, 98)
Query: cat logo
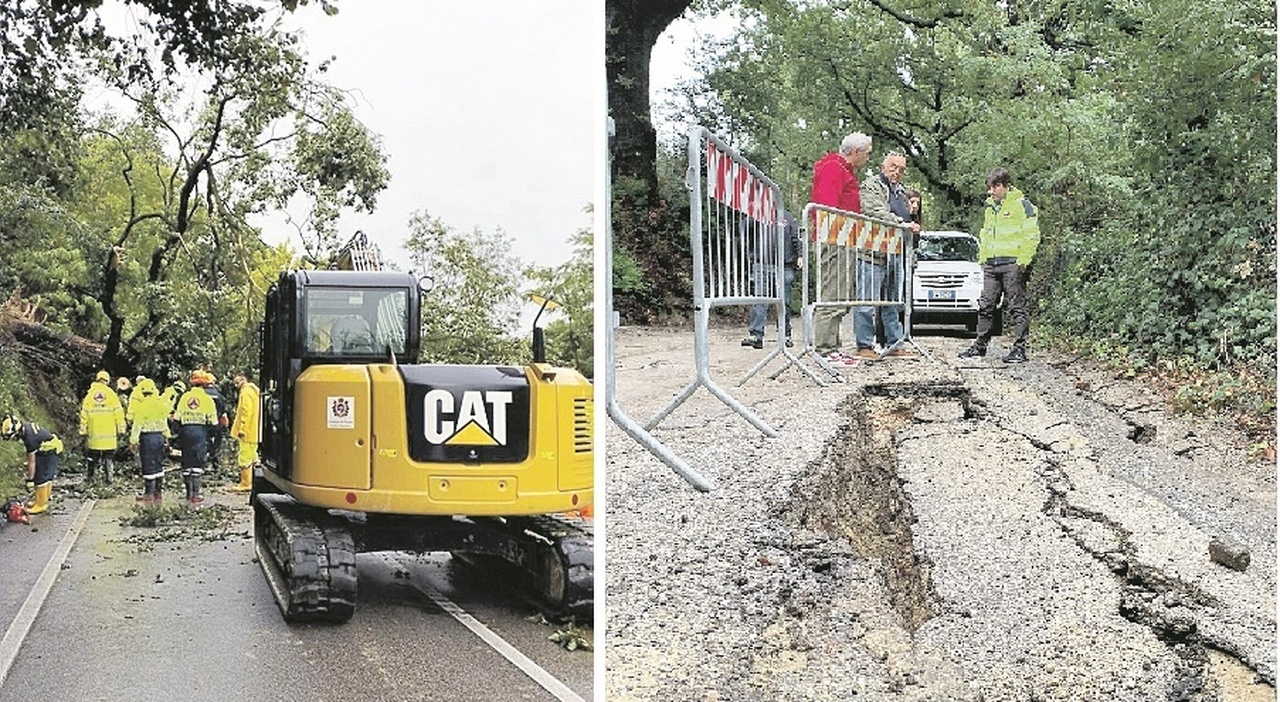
(478, 418)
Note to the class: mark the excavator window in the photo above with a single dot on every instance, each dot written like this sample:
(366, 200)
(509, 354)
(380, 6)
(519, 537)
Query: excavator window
(349, 321)
(351, 334)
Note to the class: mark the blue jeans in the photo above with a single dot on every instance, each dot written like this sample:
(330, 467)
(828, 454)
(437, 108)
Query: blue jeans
(882, 282)
(763, 277)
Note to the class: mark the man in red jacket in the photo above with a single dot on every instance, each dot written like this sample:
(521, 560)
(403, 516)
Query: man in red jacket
(835, 184)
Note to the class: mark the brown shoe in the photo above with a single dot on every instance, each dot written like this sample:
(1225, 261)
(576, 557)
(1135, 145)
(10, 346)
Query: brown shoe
(901, 353)
(869, 354)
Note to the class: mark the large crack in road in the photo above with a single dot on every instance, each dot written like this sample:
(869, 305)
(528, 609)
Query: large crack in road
(855, 493)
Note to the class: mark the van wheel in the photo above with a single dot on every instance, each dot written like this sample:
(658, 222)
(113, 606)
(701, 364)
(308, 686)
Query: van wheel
(997, 323)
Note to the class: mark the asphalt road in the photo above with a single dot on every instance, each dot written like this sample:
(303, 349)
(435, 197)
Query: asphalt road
(931, 529)
(133, 616)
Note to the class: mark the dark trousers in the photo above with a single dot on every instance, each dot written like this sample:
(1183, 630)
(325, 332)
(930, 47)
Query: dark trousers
(1011, 280)
(151, 454)
(216, 434)
(763, 286)
(46, 467)
(194, 440)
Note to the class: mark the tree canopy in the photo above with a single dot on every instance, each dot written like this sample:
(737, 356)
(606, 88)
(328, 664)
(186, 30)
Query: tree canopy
(40, 42)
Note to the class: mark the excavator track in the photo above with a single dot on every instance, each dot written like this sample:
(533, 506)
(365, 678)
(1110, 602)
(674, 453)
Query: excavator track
(556, 553)
(308, 557)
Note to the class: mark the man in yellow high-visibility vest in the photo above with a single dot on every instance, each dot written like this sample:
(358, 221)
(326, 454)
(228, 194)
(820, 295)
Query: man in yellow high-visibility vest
(1008, 241)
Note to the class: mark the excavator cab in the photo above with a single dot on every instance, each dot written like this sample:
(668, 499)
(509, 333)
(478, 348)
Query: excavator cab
(330, 317)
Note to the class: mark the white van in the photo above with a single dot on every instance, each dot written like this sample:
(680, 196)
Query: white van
(947, 281)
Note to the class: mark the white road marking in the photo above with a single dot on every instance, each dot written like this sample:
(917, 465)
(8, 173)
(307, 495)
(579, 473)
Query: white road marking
(497, 643)
(17, 632)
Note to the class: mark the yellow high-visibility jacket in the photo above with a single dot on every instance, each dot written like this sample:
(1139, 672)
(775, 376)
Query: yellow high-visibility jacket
(134, 394)
(196, 407)
(150, 414)
(246, 424)
(1010, 228)
(101, 417)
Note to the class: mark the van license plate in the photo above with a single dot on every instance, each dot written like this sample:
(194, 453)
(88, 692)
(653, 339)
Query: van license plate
(942, 294)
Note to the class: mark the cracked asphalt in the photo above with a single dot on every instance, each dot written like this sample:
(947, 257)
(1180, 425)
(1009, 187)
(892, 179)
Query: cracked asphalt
(932, 529)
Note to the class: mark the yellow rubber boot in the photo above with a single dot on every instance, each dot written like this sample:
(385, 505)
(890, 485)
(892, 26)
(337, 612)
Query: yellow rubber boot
(246, 480)
(41, 504)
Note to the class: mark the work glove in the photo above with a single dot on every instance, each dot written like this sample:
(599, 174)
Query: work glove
(31, 485)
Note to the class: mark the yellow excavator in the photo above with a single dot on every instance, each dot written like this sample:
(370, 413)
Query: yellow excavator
(364, 449)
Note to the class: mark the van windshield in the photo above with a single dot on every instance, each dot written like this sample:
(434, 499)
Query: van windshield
(947, 248)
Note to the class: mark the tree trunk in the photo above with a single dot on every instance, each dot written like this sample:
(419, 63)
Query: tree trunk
(631, 29)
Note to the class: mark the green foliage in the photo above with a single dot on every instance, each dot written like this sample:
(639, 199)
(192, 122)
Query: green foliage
(1188, 270)
(569, 333)
(627, 275)
(177, 522)
(36, 386)
(651, 263)
(15, 398)
(471, 314)
(42, 40)
(338, 163)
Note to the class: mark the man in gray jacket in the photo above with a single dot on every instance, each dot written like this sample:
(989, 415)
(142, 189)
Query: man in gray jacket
(883, 198)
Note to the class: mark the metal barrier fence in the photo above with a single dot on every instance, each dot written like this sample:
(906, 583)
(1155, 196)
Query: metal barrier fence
(614, 410)
(861, 263)
(736, 236)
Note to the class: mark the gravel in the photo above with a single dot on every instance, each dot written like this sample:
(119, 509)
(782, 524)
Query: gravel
(932, 529)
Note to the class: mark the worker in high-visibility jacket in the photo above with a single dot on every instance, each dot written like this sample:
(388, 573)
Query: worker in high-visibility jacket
(101, 422)
(149, 438)
(1007, 244)
(171, 395)
(44, 451)
(134, 394)
(246, 429)
(196, 415)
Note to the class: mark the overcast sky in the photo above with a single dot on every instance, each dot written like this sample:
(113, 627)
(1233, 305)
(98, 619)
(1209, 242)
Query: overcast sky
(672, 61)
(487, 110)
